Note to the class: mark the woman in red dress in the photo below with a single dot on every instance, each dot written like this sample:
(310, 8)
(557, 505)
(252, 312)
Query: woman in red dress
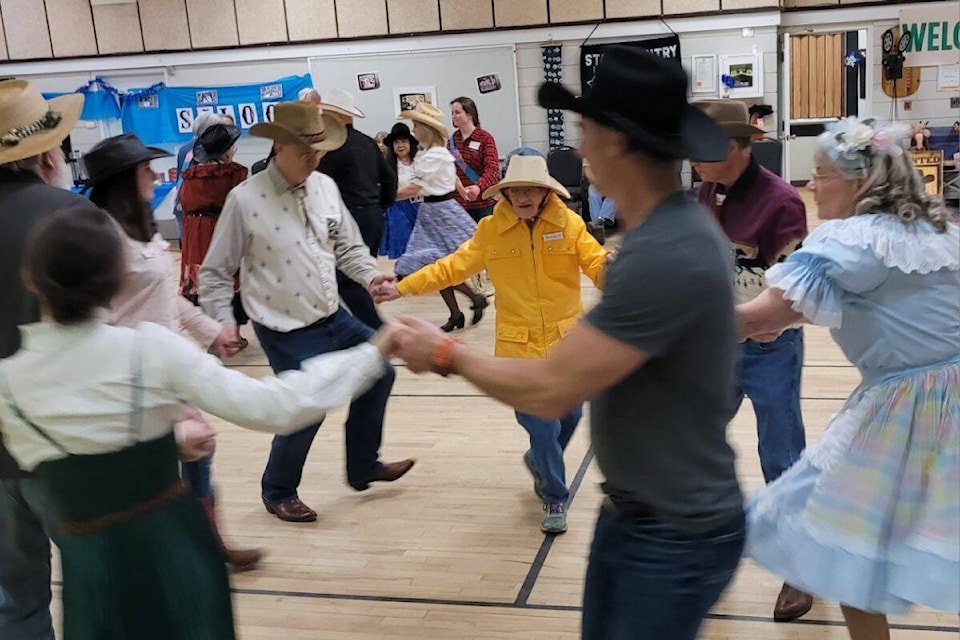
(204, 190)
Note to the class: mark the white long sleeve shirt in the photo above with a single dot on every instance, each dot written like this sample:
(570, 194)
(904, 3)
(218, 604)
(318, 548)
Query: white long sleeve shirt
(76, 383)
(287, 243)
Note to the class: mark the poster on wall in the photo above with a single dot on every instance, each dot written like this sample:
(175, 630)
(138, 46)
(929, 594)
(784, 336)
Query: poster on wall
(741, 75)
(591, 55)
(406, 99)
(930, 166)
(164, 114)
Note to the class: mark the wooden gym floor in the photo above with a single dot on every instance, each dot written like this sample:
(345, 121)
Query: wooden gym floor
(453, 550)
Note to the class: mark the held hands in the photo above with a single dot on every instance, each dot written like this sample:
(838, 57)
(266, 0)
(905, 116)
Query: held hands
(228, 343)
(417, 343)
(472, 192)
(383, 289)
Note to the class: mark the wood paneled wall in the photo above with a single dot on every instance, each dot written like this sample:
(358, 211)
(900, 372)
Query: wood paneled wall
(42, 29)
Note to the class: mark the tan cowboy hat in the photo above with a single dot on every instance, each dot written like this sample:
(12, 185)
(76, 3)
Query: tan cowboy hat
(304, 125)
(732, 116)
(340, 101)
(429, 115)
(31, 125)
(527, 171)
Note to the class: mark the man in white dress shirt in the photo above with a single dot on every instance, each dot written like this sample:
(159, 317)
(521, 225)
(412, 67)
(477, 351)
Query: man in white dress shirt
(287, 231)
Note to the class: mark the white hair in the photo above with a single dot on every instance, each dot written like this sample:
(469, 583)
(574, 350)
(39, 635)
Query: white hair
(204, 121)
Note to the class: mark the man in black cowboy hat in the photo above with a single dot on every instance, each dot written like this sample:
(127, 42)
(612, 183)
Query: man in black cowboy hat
(657, 357)
(34, 183)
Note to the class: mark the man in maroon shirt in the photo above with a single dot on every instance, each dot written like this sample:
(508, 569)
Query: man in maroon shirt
(766, 220)
(475, 152)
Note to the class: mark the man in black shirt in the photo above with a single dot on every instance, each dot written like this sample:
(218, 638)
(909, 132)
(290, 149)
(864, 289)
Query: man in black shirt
(34, 183)
(368, 186)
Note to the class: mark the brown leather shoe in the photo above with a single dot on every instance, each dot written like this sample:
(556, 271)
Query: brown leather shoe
(292, 510)
(791, 604)
(387, 473)
(242, 559)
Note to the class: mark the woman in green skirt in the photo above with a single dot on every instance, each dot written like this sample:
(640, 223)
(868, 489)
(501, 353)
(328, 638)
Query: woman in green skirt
(88, 409)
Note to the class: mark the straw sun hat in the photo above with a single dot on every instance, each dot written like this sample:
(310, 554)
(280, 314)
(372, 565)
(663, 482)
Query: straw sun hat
(527, 171)
(428, 115)
(31, 125)
(304, 125)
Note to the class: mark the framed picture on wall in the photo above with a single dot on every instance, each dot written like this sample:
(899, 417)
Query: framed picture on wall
(406, 99)
(369, 81)
(741, 75)
(703, 74)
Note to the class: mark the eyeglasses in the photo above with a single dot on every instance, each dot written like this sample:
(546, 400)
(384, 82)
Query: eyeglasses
(822, 177)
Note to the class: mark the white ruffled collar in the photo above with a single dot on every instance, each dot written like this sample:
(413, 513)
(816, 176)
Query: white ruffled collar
(906, 246)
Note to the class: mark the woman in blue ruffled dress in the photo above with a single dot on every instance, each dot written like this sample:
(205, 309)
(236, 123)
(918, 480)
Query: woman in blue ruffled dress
(870, 515)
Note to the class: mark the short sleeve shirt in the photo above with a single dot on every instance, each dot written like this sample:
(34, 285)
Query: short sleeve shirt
(660, 433)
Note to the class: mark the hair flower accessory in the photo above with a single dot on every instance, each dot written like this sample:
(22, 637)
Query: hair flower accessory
(852, 144)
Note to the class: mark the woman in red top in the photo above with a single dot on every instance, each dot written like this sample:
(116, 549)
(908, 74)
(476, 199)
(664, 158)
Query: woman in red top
(477, 160)
(202, 194)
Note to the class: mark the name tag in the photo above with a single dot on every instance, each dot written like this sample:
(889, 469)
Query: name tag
(719, 199)
(556, 235)
(474, 145)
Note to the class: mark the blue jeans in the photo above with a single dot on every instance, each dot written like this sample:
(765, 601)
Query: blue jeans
(770, 377)
(24, 565)
(196, 475)
(648, 580)
(548, 441)
(364, 427)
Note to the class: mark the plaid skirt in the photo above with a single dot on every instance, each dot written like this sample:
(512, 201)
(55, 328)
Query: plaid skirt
(870, 515)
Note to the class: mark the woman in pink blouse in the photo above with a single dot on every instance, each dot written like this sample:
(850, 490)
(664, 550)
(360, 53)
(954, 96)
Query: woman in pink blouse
(122, 185)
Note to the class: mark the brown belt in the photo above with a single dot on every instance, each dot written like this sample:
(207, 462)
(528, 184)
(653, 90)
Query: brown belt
(108, 520)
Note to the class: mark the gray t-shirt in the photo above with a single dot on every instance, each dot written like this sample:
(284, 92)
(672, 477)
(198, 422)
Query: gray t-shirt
(660, 434)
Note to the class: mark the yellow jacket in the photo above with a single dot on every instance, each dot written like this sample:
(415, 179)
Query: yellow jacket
(536, 273)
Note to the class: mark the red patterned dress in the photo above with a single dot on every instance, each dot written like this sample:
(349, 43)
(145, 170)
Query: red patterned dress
(202, 194)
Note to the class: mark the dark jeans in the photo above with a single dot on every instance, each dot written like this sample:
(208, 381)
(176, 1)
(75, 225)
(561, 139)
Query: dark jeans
(24, 565)
(648, 580)
(770, 377)
(364, 427)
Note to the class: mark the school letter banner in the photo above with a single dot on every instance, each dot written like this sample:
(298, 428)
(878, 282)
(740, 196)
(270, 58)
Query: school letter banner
(590, 55)
(163, 114)
(934, 35)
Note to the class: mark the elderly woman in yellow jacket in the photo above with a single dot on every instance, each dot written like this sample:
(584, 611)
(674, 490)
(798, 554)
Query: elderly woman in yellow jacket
(534, 249)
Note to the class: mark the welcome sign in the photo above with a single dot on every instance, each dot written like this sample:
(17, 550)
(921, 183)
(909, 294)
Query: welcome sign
(934, 36)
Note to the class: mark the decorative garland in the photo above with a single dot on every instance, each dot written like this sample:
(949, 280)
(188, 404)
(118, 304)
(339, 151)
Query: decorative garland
(553, 72)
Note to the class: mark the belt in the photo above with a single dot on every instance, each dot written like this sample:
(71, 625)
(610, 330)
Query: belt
(443, 198)
(99, 523)
(211, 213)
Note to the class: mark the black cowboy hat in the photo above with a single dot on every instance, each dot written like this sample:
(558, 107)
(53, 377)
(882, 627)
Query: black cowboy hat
(109, 157)
(399, 131)
(215, 141)
(644, 96)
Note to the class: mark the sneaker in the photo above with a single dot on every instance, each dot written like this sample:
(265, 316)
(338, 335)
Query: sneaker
(555, 519)
(537, 482)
